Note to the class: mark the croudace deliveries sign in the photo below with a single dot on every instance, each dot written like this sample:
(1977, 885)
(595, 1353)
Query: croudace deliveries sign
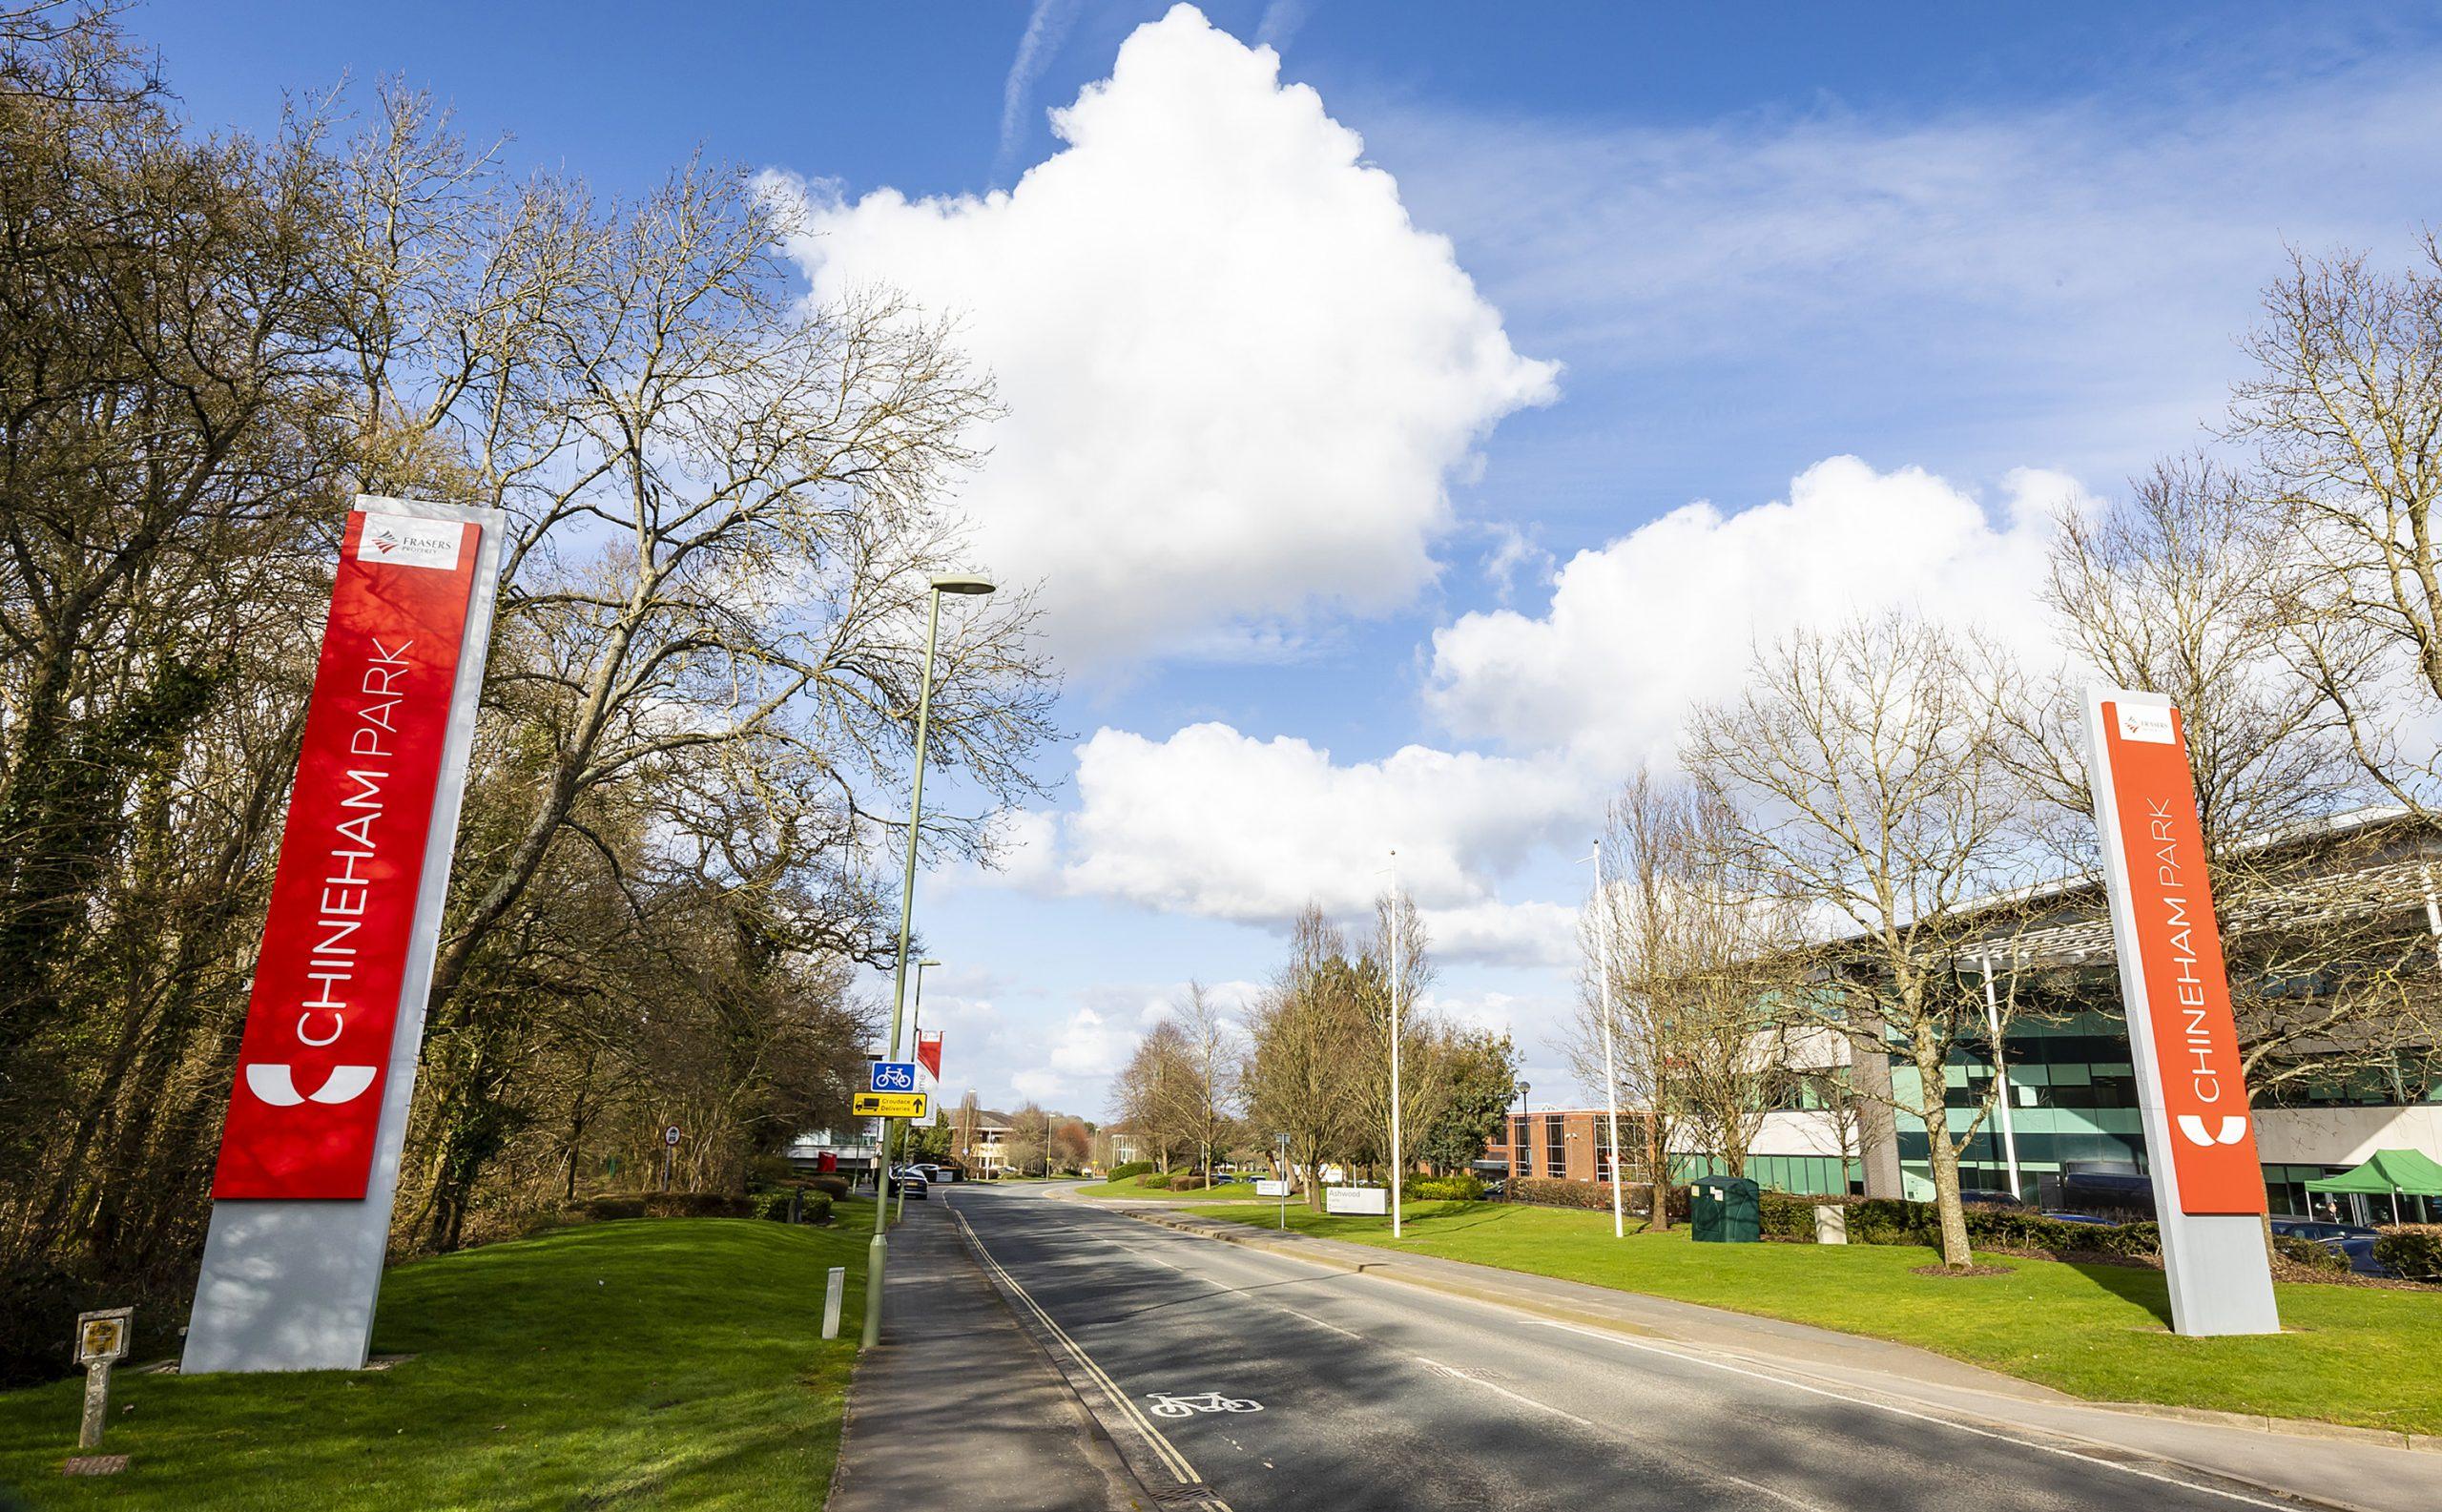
(309, 1091)
(309, 1162)
(2192, 1098)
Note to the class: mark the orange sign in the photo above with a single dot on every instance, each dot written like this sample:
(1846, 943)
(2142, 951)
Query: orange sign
(2159, 863)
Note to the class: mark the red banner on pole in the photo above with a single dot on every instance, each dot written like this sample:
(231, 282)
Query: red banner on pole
(2157, 856)
(928, 1052)
(307, 1100)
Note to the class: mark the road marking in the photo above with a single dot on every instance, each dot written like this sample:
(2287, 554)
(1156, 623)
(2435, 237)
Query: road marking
(1171, 1460)
(1168, 1404)
(1714, 1472)
(1519, 1398)
(1226, 1290)
(1854, 1401)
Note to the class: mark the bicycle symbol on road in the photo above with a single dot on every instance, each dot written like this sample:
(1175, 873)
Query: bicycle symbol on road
(1167, 1405)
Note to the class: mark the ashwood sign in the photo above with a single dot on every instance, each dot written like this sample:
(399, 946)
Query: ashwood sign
(2191, 1091)
(307, 1095)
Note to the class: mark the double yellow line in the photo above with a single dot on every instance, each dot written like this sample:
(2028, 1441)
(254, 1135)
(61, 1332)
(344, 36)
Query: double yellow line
(1171, 1460)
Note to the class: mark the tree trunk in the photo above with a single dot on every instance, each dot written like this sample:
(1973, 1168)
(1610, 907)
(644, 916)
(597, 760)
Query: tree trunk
(1943, 1157)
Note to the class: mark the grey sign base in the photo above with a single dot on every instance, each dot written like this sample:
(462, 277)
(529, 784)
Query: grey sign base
(291, 1285)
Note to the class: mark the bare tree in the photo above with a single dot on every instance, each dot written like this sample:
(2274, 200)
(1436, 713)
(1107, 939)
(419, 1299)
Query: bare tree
(1862, 775)
(1304, 1064)
(1692, 968)
(1427, 1063)
(2345, 413)
(2178, 589)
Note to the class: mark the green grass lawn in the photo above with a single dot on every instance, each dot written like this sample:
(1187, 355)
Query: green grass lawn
(1133, 1186)
(2352, 1354)
(649, 1363)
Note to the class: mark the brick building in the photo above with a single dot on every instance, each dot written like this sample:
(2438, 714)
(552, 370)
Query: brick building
(1568, 1144)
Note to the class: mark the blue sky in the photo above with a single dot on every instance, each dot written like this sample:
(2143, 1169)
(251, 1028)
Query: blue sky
(1403, 495)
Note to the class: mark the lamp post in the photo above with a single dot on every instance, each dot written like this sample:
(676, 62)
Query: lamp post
(1521, 1149)
(878, 1253)
(1397, 928)
(915, 1023)
(1610, 1077)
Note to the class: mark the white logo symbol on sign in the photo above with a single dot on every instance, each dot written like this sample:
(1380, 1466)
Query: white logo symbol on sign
(2234, 1129)
(894, 1076)
(276, 1084)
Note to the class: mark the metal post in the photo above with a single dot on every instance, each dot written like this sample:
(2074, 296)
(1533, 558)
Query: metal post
(1610, 1075)
(914, 1018)
(834, 1287)
(2001, 1079)
(1283, 1181)
(878, 1253)
(1398, 929)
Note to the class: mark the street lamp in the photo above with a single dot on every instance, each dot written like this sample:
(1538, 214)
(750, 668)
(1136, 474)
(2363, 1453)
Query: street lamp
(915, 1025)
(1610, 1077)
(878, 1253)
(1397, 928)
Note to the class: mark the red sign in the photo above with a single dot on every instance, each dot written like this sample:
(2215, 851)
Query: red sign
(2178, 948)
(928, 1052)
(316, 1053)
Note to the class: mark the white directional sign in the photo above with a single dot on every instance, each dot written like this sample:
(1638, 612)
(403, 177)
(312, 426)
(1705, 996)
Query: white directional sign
(1368, 1201)
(1268, 1187)
(895, 1076)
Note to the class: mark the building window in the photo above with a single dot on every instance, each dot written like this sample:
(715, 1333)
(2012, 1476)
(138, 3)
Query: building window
(1603, 1149)
(1555, 1148)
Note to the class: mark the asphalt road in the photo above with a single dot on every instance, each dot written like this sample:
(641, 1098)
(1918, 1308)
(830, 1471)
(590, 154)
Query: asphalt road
(1285, 1385)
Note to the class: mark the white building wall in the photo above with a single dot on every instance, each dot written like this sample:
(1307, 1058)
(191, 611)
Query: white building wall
(2344, 1136)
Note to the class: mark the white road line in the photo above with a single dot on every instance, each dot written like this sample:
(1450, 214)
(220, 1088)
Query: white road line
(1228, 1291)
(1903, 1411)
(1523, 1400)
(1171, 1460)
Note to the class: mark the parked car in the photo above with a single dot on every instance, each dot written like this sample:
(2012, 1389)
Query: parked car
(917, 1188)
(1991, 1197)
(2084, 1217)
(2351, 1241)
(1496, 1189)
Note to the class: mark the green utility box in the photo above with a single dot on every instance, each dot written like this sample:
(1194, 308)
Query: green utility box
(1726, 1210)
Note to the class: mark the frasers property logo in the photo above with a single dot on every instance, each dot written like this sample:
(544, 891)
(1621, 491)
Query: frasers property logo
(2150, 723)
(402, 540)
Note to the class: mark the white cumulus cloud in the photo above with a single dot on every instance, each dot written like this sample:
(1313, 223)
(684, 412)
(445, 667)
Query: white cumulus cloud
(1670, 613)
(1216, 822)
(1238, 379)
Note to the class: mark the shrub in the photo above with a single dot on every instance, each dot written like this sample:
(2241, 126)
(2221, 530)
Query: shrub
(813, 1207)
(1129, 1167)
(612, 1205)
(696, 1204)
(1465, 1187)
(2414, 1250)
(835, 1188)
(2310, 1254)
(1888, 1220)
(1554, 1193)
(1154, 1181)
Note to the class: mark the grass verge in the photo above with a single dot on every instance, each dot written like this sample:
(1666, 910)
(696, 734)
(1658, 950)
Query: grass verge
(1133, 1186)
(2350, 1355)
(649, 1363)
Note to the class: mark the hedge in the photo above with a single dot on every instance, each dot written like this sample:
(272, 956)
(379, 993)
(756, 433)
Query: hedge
(1556, 1193)
(1127, 1168)
(1154, 1181)
(2414, 1250)
(1461, 1188)
(1888, 1220)
(813, 1207)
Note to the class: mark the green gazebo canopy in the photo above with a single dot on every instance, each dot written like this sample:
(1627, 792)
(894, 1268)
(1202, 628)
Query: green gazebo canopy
(2409, 1172)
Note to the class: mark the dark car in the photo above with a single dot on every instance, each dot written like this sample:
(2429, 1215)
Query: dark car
(2084, 1217)
(2351, 1241)
(1991, 1197)
(917, 1187)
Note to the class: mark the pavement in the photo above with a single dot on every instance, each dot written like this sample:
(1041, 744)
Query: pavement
(1284, 1373)
(958, 1408)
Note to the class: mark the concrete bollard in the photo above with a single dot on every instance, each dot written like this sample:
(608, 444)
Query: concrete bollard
(832, 1293)
(1831, 1224)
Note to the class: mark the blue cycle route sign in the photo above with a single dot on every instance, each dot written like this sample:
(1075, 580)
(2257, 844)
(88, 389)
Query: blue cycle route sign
(894, 1076)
